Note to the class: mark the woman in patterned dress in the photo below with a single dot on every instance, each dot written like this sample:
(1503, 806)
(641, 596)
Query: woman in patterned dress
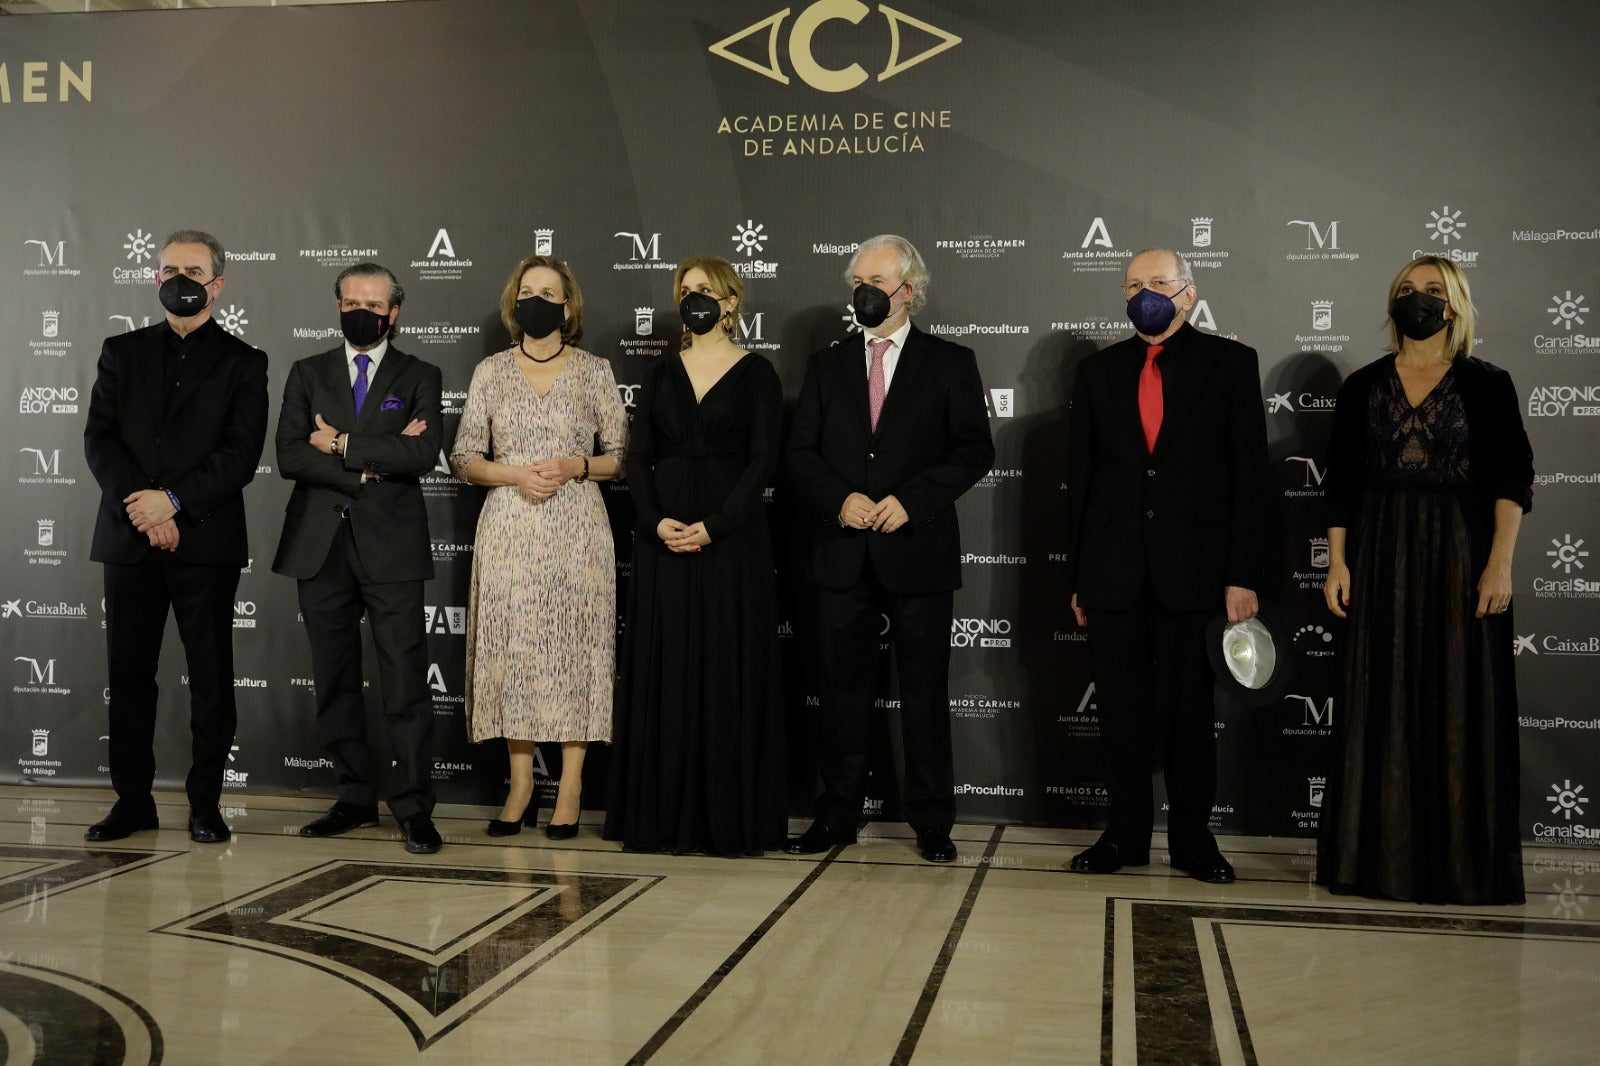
(1429, 475)
(541, 619)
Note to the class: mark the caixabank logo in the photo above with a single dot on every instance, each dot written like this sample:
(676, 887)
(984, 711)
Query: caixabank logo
(804, 50)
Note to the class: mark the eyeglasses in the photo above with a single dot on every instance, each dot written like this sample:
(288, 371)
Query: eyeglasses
(1132, 288)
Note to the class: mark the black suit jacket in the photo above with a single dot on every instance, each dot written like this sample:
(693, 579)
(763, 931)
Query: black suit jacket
(1191, 517)
(388, 517)
(932, 444)
(203, 447)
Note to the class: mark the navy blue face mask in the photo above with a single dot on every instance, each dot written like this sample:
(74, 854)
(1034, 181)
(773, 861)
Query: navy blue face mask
(1151, 312)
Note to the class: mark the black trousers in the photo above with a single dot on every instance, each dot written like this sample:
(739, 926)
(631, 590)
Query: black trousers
(332, 604)
(850, 624)
(1153, 683)
(138, 597)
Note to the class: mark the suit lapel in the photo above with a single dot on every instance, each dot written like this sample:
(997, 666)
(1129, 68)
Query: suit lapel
(388, 370)
(1124, 375)
(906, 369)
(852, 355)
(149, 357)
(1181, 376)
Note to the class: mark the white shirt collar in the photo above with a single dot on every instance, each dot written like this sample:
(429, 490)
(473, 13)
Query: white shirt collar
(376, 352)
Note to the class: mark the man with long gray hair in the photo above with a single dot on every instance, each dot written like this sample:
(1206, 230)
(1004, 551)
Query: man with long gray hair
(891, 429)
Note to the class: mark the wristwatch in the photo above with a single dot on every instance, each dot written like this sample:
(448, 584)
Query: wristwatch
(335, 448)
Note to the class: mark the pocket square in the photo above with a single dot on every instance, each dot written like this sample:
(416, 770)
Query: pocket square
(392, 403)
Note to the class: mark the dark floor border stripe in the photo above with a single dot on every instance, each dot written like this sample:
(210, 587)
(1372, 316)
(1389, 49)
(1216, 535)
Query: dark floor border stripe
(1108, 987)
(1239, 1023)
(670, 1027)
(941, 965)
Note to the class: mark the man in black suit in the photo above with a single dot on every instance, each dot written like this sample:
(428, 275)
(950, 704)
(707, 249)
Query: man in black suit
(359, 427)
(176, 423)
(890, 430)
(1166, 509)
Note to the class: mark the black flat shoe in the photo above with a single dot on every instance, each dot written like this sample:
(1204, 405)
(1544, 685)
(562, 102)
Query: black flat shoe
(817, 839)
(1208, 866)
(936, 846)
(124, 820)
(341, 818)
(1106, 856)
(207, 827)
(419, 835)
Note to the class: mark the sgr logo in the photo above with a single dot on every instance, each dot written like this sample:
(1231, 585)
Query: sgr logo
(802, 33)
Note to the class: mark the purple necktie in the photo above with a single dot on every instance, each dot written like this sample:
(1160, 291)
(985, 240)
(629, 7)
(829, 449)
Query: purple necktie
(875, 384)
(363, 360)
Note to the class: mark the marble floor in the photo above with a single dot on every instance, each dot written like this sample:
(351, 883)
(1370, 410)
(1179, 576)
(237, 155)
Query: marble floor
(274, 949)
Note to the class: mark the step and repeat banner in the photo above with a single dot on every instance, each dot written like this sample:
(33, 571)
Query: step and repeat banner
(1298, 156)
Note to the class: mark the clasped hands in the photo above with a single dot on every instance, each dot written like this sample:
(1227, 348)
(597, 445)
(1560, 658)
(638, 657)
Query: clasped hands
(151, 512)
(539, 481)
(860, 512)
(681, 536)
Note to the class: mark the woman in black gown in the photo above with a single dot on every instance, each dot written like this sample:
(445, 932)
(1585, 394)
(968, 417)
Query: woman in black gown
(697, 758)
(1430, 473)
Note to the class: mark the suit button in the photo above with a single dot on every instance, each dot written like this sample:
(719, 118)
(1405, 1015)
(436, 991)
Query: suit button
(872, 455)
(1149, 514)
(1150, 473)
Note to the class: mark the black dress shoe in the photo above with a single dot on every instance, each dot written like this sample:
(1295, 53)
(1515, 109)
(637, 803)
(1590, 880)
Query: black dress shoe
(124, 820)
(1106, 856)
(207, 827)
(1207, 866)
(341, 818)
(420, 837)
(817, 839)
(936, 846)
(565, 831)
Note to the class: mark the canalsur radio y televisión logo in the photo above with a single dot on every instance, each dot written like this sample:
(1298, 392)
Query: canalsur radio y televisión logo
(1568, 805)
(231, 318)
(749, 237)
(1444, 228)
(138, 249)
(442, 263)
(1567, 554)
(1566, 310)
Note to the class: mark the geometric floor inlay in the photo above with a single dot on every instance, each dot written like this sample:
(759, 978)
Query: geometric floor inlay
(1170, 991)
(362, 922)
(31, 873)
(49, 1018)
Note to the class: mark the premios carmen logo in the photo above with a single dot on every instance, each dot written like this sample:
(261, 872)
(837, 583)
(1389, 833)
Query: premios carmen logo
(786, 51)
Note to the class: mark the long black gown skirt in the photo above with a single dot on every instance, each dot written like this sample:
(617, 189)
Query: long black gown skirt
(698, 762)
(1422, 801)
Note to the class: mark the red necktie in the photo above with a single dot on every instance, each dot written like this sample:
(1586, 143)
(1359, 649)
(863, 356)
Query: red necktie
(1151, 404)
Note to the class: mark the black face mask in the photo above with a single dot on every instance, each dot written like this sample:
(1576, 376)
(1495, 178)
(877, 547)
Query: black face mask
(871, 305)
(1419, 315)
(700, 312)
(363, 328)
(539, 317)
(183, 296)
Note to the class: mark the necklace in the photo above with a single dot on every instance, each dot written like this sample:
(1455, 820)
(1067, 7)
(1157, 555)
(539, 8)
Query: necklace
(536, 359)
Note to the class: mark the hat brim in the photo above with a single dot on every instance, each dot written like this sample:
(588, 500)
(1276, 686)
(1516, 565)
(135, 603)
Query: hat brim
(1260, 691)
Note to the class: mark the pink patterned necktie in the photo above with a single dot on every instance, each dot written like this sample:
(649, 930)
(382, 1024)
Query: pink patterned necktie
(875, 386)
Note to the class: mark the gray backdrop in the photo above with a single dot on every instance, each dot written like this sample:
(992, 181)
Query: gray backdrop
(1299, 154)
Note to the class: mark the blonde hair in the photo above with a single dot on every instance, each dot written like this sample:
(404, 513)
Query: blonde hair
(1458, 330)
(724, 281)
(572, 328)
